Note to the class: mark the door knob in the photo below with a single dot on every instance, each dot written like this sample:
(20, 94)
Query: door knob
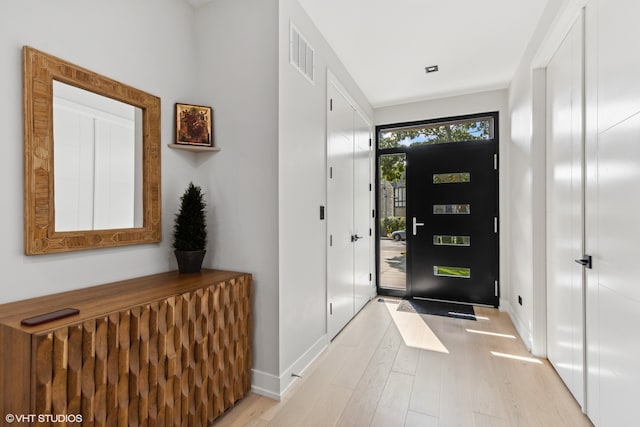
(355, 238)
(416, 225)
(585, 261)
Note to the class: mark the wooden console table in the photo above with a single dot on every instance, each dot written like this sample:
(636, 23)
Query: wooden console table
(167, 349)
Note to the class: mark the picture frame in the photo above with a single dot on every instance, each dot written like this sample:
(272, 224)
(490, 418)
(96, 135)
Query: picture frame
(194, 125)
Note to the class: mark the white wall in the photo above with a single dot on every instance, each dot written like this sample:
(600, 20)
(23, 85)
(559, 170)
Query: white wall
(481, 102)
(526, 193)
(237, 51)
(302, 190)
(144, 44)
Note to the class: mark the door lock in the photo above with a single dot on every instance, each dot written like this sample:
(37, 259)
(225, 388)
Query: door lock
(416, 225)
(585, 261)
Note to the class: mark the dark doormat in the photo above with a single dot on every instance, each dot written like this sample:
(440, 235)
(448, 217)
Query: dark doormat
(436, 308)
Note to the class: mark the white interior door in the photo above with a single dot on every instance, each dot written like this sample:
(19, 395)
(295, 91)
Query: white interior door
(613, 203)
(349, 214)
(362, 211)
(340, 208)
(565, 208)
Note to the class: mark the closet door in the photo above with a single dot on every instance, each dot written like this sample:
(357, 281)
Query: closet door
(565, 208)
(340, 206)
(362, 211)
(613, 203)
(349, 213)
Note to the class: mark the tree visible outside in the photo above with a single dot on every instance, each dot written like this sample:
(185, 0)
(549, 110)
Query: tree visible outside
(392, 223)
(392, 168)
(440, 133)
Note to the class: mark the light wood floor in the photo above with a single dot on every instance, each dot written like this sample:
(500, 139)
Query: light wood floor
(390, 368)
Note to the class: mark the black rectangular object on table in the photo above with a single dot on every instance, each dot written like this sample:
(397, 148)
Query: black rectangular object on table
(49, 317)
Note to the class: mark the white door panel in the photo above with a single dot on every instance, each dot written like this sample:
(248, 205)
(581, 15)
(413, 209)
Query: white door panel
(114, 175)
(618, 69)
(362, 211)
(348, 211)
(613, 179)
(340, 261)
(615, 371)
(618, 207)
(619, 370)
(565, 302)
(74, 176)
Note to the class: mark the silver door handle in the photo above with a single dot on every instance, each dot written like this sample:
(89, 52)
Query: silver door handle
(416, 225)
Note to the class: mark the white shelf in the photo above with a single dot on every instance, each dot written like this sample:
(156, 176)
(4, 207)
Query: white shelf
(194, 148)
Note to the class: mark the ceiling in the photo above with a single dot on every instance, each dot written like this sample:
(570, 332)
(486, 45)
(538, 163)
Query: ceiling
(386, 45)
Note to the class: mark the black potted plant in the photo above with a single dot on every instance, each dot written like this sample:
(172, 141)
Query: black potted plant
(190, 230)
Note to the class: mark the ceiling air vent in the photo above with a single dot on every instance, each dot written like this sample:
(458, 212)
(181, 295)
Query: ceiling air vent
(301, 54)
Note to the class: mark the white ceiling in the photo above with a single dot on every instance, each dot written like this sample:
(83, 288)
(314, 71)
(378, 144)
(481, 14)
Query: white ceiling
(385, 44)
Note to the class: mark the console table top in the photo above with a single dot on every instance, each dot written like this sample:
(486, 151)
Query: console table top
(97, 300)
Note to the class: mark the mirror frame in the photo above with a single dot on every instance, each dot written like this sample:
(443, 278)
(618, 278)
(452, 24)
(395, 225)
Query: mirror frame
(40, 237)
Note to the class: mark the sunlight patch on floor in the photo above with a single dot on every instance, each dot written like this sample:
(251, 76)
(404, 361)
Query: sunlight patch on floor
(414, 330)
(514, 357)
(493, 334)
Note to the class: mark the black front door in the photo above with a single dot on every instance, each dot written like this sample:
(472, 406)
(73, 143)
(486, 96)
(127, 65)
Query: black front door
(452, 209)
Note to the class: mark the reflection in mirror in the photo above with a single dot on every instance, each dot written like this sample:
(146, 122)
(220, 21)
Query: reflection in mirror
(97, 161)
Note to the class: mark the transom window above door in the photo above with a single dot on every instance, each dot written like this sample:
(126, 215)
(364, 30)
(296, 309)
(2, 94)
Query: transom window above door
(477, 129)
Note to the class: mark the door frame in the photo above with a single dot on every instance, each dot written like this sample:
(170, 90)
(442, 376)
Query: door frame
(404, 150)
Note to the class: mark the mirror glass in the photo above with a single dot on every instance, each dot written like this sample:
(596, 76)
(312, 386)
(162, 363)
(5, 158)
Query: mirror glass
(97, 161)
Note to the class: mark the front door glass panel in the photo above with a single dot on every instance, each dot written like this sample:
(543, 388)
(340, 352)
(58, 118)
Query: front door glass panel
(392, 211)
(464, 209)
(441, 240)
(444, 271)
(451, 178)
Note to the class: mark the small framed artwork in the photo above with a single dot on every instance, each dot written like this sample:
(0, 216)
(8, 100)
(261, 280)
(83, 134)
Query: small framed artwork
(194, 125)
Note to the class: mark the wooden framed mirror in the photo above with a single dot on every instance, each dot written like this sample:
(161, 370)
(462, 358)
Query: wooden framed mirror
(84, 194)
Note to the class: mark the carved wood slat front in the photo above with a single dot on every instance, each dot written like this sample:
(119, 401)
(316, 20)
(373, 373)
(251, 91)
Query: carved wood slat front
(101, 372)
(180, 361)
(89, 374)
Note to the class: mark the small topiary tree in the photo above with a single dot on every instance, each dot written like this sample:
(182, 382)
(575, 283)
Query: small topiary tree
(190, 229)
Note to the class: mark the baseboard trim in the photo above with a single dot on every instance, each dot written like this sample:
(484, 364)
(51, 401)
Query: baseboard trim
(504, 305)
(300, 366)
(522, 329)
(275, 387)
(265, 384)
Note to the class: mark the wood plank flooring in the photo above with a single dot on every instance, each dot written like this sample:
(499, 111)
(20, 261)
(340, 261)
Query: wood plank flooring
(454, 372)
